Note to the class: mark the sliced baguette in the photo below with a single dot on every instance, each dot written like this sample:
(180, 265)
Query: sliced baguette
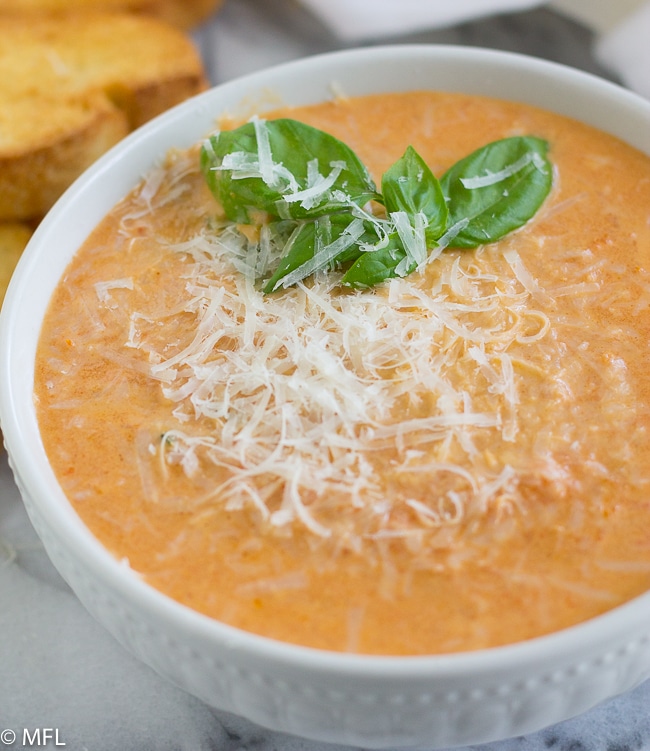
(71, 87)
(186, 14)
(13, 239)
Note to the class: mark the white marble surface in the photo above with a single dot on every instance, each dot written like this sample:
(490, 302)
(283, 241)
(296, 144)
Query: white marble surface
(59, 669)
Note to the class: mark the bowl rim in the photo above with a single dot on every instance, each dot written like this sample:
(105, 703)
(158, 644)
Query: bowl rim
(17, 413)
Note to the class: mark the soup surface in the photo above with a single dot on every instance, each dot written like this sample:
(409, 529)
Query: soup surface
(449, 461)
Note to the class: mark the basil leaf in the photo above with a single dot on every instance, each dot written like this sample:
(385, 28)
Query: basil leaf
(308, 188)
(298, 250)
(410, 186)
(375, 266)
(323, 243)
(497, 188)
(285, 168)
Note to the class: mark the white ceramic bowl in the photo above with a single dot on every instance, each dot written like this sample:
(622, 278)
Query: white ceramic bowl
(367, 701)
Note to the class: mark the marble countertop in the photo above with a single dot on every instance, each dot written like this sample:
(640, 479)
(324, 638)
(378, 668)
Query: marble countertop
(58, 668)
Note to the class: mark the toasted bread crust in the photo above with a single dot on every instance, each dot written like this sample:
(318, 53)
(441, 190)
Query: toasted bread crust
(186, 14)
(32, 179)
(150, 99)
(13, 239)
(71, 87)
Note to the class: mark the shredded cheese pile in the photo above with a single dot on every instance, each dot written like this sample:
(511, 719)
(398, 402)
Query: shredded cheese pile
(315, 395)
(358, 414)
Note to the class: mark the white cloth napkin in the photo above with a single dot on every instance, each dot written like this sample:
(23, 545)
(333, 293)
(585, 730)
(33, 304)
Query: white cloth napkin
(625, 50)
(360, 20)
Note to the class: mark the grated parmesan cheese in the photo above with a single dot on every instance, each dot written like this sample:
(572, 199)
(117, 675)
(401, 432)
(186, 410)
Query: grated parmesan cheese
(306, 391)
(491, 178)
(309, 399)
(103, 288)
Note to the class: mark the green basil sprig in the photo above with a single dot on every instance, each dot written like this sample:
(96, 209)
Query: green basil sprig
(285, 172)
(410, 186)
(267, 166)
(327, 242)
(497, 189)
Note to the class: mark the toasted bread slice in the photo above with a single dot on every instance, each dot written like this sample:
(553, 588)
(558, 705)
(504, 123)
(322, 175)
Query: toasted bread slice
(71, 87)
(186, 14)
(38, 164)
(13, 239)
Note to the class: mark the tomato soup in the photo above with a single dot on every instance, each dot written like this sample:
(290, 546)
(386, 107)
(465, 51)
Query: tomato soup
(452, 460)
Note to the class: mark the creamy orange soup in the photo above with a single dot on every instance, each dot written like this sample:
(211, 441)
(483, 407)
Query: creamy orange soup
(453, 460)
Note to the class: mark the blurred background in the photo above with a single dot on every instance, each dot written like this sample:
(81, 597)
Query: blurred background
(245, 35)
